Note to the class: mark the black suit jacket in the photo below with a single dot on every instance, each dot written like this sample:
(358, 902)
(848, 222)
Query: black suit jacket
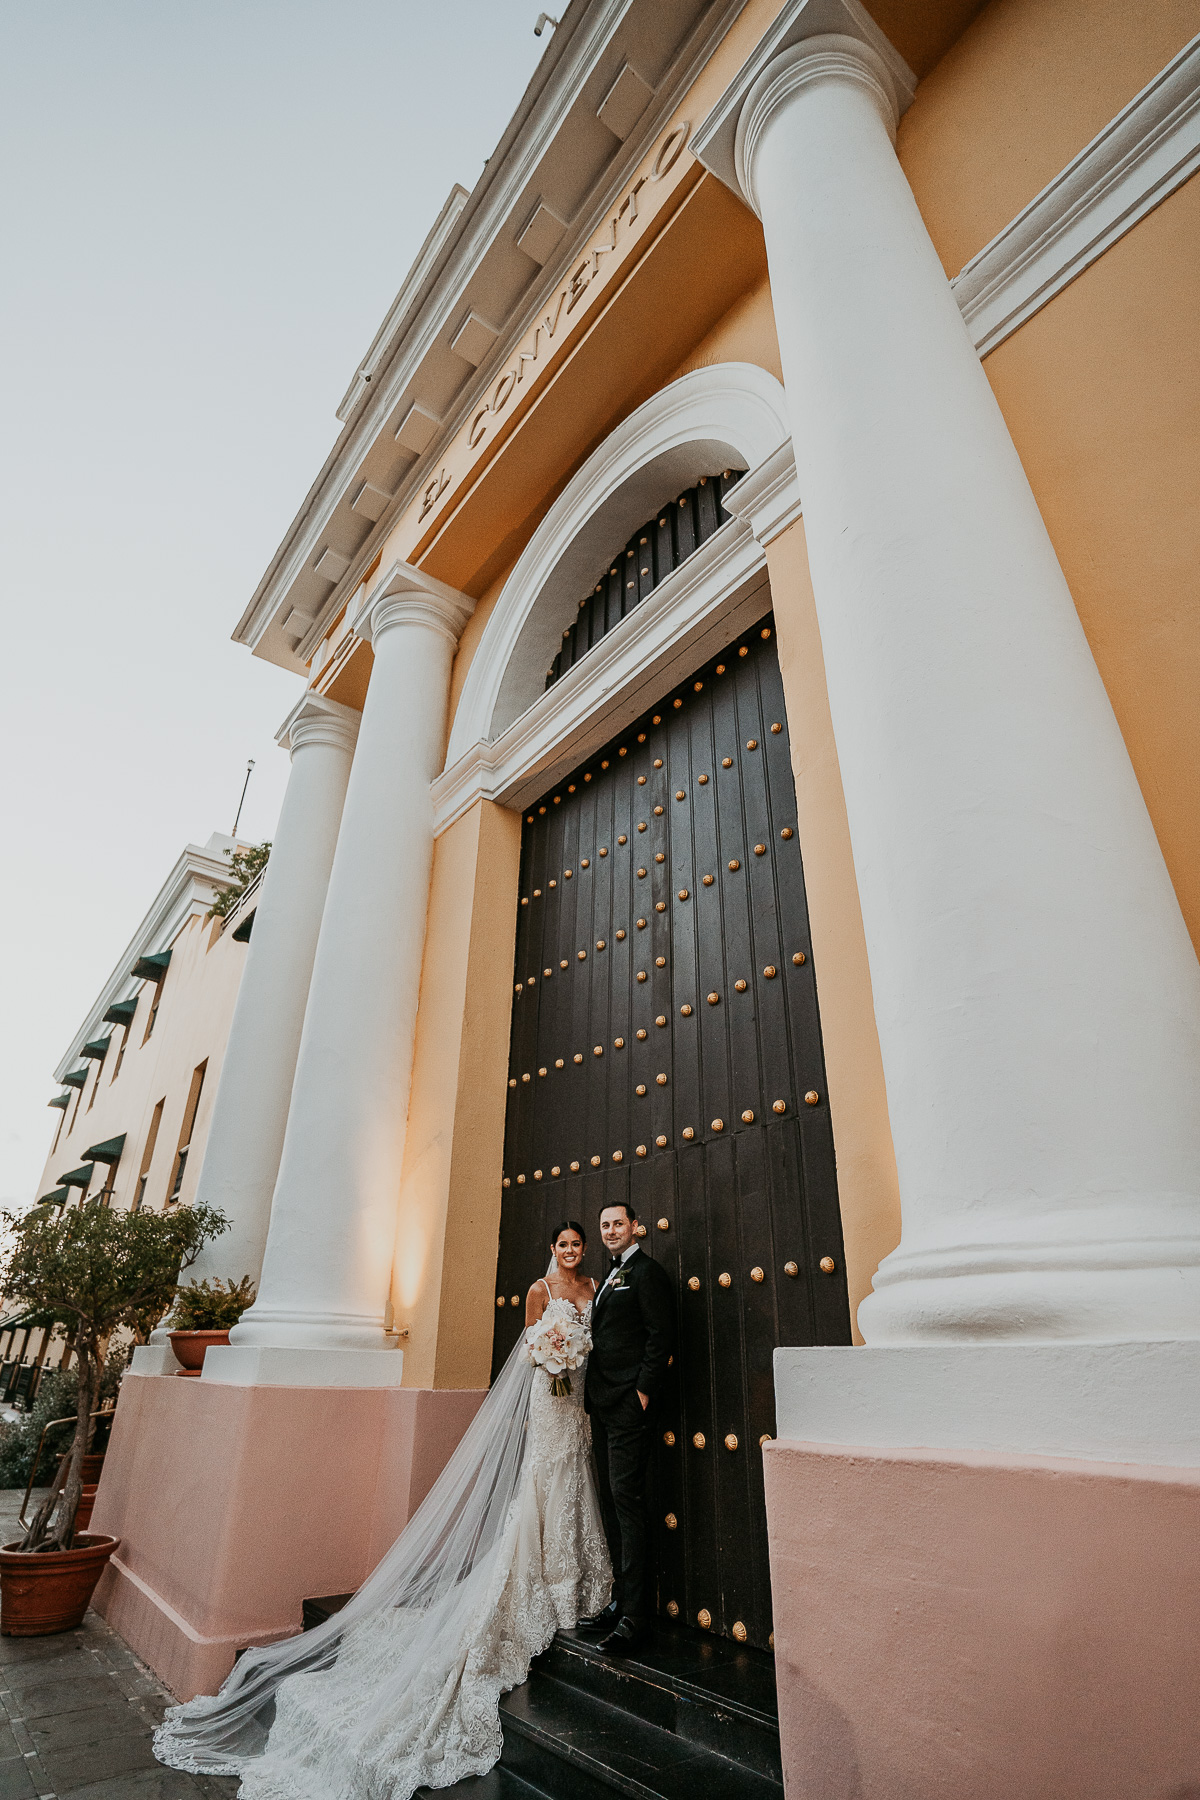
(633, 1334)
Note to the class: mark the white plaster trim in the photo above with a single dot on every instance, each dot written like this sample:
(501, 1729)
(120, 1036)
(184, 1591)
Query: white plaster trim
(767, 498)
(718, 590)
(1132, 1402)
(1148, 150)
(200, 874)
(268, 1365)
(731, 410)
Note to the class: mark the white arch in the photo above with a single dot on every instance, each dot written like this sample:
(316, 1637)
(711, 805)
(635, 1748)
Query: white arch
(729, 413)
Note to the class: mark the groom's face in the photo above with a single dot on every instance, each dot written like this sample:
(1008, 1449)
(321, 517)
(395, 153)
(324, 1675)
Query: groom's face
(616, 1228)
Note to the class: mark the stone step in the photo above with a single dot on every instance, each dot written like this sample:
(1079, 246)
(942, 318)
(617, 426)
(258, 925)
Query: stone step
(715, 1693)
(576, 1747)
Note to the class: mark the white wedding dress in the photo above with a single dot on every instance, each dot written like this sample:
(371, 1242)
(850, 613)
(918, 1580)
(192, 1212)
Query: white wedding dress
(406, 1692)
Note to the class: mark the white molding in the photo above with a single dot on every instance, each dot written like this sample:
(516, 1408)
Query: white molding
(715, 140)
(719, 589)
(1148, 150)
(200, 874)
(728, 410)
(767, 497)
(340, 722)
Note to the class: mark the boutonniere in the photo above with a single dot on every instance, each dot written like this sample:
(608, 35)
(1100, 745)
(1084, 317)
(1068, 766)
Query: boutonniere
(619, 1280)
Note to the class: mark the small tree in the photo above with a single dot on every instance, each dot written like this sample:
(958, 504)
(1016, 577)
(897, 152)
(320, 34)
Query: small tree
(245, 866)
(91, 1270)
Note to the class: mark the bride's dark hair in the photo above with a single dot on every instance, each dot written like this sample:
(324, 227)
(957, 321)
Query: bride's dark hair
(568, 1225)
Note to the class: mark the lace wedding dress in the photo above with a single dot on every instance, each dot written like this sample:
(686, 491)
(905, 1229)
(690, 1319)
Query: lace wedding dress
(402, 1688)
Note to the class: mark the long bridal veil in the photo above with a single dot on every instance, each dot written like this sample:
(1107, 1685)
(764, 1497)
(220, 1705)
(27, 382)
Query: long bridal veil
(439, 1571)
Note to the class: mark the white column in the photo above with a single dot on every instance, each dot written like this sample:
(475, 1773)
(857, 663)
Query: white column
(1037, 996)
(245, 1139)
(327, 1267)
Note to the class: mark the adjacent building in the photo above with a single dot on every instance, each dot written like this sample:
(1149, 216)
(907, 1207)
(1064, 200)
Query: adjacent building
(745, 763)
(137, 1081)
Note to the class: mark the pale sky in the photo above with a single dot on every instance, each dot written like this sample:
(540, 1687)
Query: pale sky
(205, 208)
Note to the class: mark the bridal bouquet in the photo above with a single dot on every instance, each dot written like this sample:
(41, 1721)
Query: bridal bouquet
(558, 1345)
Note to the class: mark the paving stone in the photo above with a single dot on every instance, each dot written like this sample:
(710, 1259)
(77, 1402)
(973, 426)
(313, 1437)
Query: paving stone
(8, 1743)
(40, 1699)
(16, 1783)
(85, 1764)
(94, 1724)
(150, 1784)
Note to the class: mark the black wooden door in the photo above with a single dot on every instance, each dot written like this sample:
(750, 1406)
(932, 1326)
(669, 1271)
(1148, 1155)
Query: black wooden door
(666, 1049)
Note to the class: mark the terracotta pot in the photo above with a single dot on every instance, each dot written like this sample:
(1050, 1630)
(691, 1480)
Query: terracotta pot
(49, 1590)
(92, 1466)
(189, 1347)
(87, 1500)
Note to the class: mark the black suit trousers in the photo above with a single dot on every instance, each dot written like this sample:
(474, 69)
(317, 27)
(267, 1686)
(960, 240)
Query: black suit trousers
(621, 1435)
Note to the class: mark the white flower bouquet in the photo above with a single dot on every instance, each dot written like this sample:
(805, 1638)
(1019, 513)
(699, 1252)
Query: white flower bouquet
(558, 1345)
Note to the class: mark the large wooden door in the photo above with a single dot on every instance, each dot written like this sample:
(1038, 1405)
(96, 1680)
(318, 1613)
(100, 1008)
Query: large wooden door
(666, 1049)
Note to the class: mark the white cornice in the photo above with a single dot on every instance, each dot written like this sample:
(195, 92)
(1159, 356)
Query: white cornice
(200, 874)
(583, 40)
(1148, 150)
(718, 590)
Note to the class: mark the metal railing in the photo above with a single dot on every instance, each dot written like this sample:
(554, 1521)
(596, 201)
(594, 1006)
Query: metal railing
(244, 902)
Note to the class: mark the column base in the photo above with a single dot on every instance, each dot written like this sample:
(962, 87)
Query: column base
(1132, 1402)
(1004, 1627)
(236, 1503)
(269, 1365)
(154, 1359)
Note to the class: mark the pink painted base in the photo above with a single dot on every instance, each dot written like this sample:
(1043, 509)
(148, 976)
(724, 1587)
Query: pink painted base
(235, 1504)
(954, 1626)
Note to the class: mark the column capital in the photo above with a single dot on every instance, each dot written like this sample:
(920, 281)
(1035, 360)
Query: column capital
(317, 720)
(795, 51)
(408, 596)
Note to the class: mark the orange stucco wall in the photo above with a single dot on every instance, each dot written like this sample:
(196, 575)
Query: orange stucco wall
(1101, 388)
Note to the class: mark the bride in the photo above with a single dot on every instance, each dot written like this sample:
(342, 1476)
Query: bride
(401, 1689)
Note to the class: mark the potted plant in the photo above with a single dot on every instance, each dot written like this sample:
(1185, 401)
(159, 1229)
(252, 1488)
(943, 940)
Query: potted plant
(203, 1314)
(90, 1270)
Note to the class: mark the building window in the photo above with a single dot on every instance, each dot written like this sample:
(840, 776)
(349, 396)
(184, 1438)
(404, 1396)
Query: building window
(120, 1054)
(185, 1132)
(153, 1013)
(139, 1193)
(62, 1119)
(95, 1086)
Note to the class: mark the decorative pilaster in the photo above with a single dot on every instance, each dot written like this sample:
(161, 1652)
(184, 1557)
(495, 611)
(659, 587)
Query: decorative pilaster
(1037, 997)
(328, 1257)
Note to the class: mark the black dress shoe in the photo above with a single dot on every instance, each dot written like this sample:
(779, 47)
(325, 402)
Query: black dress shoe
(627, 1637)
(601, 1621)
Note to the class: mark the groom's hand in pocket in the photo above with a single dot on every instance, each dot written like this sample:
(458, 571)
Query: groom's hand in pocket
(644, 1398)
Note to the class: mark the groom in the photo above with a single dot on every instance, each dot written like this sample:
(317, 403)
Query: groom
(633, 1333)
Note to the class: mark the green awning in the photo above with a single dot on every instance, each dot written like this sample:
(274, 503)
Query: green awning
(97, 1049)
(107, 1152)
(80, 1178)
(24, 1317)
(55, 1198)
(121, 1012)
(60, 1100)
(241, 931)
(151, 968)
(75, 1078)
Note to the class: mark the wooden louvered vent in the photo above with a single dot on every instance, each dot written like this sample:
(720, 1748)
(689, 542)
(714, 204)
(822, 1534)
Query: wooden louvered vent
(654, 551)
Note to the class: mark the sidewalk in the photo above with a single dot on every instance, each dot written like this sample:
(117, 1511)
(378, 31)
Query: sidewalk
(78, 1713)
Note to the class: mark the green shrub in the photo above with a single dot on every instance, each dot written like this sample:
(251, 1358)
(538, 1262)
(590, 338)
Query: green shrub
(211, 1305)
(56, 1400)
